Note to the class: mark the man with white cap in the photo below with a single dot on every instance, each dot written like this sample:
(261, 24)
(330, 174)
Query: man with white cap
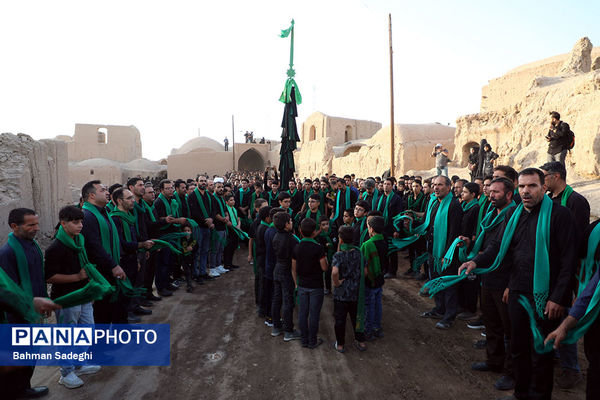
(441, 159)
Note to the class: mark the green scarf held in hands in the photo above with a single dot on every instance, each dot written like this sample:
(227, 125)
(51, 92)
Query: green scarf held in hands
(234, 221)
(488, 223)
(371, 257)
(565, 195)
(242, 193)
(583, 325)
(19, 300)
(337, 202)
(329, 249)
(397, 244)
(97, 287)
(589, 264)
(22, 264)
(541, 275)
(127, 220)
(110, 244)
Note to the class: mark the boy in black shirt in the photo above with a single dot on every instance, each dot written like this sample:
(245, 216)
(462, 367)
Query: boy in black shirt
(308, 264)
(252, 252)
(189, 246)
(65, 273)
(283, 285)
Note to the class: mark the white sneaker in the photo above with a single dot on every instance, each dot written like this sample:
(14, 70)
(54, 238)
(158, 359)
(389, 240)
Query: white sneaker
(214, 273)
(87, 370)
(222, 269)
(71, 381)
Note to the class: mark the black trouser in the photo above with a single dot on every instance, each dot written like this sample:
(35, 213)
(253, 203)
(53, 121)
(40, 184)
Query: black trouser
(230, 247)
(446, 301)
(592, 353)
(107, 312)
(15, 380)
(341, 309)
(149, 272)
(327, 276)
(468, 291)
(266, 296)
(415, 250)
(283, 297)
(393, 269)
(188, 267)
(258, 281)
(497, 326)
(139, 279)
(130, 267)
(534, 372)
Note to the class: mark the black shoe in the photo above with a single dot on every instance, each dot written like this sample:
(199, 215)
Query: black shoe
(146, 303)
(132, 318)
(431, 314)
(505, 383)
(484, 367)
(480, 344)
(389, 276)
(152, 297)
(443, 325)
(33, 392)
(230, 267)
(208, 278)
(165, 293)
(199, 280)
(189, 289)
(477, 324)
(511, 397)
(139, 310)
(378, 333)
(172, 287)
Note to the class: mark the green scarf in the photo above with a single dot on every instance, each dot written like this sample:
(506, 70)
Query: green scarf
(110, 206)
(127, 220)
(306, 194)
(272, 198)
(416, 204)
(180, 204)
(482, 208)
(337, 202)
(330, 250)
(469, 205)
(373, 200)
(589, 263)
(541, 275)
(309, 212)
(22, 264)
(440, 232)
(565, 195)
(397, 244)
(149, 210)
(363, 231)
(309, 240)
(234, 221)
(20, 300)
(97, 287)
(110, 243)
(370, 255)
(385, 209)
(293, 194)
(242, 193)
(171, 207)
(199, 196)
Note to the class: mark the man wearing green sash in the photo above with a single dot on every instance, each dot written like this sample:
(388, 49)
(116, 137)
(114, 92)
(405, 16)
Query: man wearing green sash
(180, 197)
(243, 199)
(537, 247)
(312, 211)
(306, 193)
(125, 222)
(345, 199)
(101, 245)
(296, 196)
(201, 211)
(360, 230)
(504, 171)
(21, 259)
(445, 225)
(494, 310)
(371, 194)
(390, 205)
(556, 181)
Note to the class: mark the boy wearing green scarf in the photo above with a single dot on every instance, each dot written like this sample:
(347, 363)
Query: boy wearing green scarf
(324, 239)
(374, 252)
(66, 274)
(360, 231)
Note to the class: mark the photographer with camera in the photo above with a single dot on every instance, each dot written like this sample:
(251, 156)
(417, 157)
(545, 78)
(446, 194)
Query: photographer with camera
(559, 139)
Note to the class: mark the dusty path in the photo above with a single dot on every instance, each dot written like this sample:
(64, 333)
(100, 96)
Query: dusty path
(221, 350)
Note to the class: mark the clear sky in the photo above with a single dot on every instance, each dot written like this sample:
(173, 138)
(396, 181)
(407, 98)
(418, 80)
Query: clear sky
(172, 68)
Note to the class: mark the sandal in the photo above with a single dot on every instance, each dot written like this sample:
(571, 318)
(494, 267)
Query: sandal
(335, 346)
(359, 347)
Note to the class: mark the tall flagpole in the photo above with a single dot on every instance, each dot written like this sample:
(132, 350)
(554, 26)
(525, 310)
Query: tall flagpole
(233, 141)
(392, 126)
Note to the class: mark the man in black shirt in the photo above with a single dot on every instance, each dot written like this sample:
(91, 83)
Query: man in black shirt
(561, 194)
(446, 301)
(296, 195)
(308, 264)
(558, 138)
(260, 251)
(533, 371)
(283, 283)
(390, 204)
(201, 211)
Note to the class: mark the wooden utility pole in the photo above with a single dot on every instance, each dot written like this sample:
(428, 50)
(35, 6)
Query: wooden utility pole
(392, 127)
(233, 141)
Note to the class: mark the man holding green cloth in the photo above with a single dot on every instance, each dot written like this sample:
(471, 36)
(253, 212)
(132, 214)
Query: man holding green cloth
(22, 261)
(101, 240)
(537, 247)
(445, 225)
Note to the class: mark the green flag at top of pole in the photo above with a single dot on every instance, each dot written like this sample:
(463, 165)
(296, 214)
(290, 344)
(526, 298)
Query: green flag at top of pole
(286, 95)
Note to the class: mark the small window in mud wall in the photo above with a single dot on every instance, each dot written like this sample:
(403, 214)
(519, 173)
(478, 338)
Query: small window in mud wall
(102, 135)
(91, 172)
(348, 134)
(312, 134)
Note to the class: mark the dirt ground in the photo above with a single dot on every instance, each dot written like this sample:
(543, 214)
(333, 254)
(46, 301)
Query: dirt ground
(220, 349)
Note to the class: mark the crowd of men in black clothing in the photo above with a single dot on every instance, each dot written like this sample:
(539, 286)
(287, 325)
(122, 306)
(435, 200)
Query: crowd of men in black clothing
(342, 236)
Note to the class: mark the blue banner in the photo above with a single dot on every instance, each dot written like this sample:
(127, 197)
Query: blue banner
(99, 344)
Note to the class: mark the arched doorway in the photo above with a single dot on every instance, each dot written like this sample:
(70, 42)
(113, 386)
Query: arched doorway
(251, 160)
(348, 134)
(467, 149)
